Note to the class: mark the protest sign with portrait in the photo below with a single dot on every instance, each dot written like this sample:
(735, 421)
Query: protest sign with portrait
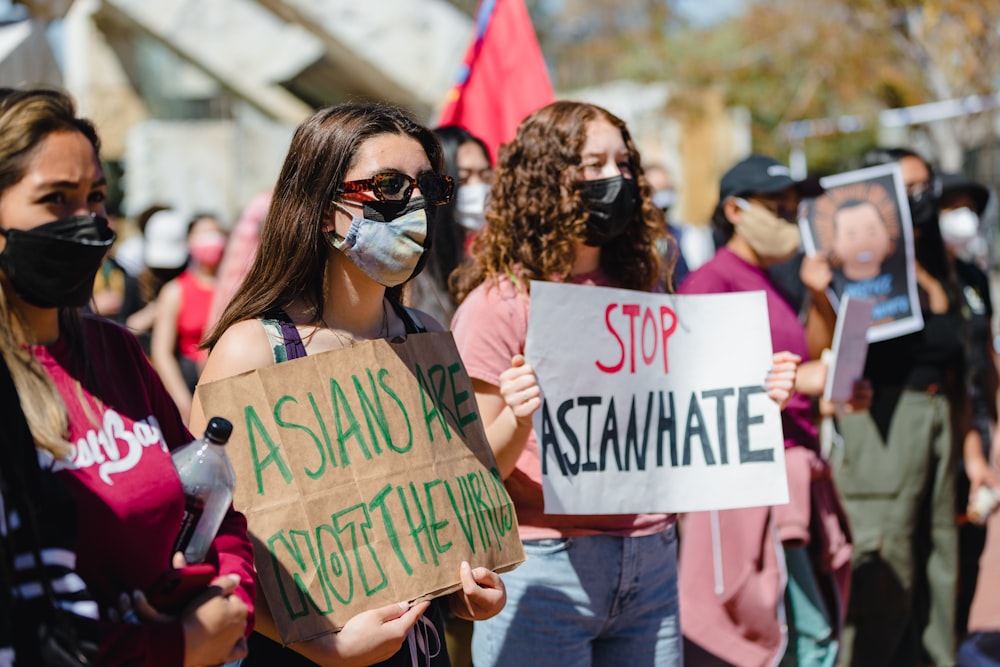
(365, 477)
(862, 222)
(653, 402)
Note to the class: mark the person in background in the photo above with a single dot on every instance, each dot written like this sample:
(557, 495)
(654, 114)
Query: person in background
(165, 256)
(962, 203)
(110, 283)
(664, 197)
(182, 313)
(748, 574)
(99, 416)
(240, 250)
(466, 160)
(897, 477)
(129, 253)
(354, 202)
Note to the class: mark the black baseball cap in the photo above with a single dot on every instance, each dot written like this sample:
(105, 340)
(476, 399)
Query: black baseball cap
(763, 174)
(959, 182)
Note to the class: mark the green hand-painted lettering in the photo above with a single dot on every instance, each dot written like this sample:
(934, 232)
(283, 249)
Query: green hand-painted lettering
(254, 425)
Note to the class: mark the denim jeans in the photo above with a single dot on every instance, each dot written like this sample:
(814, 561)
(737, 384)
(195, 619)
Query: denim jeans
(980, 649)
(597, 600)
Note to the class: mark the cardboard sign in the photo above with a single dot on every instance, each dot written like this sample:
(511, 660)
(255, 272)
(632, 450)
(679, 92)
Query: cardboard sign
(653, 402)
(850, 348)
(862, 221)
(366, 479)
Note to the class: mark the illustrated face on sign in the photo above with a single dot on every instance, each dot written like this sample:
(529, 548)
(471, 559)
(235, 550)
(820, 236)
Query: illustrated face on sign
(861, 240)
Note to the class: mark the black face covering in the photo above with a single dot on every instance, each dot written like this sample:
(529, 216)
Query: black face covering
(611, 203)
(53, 265)
(923, 211)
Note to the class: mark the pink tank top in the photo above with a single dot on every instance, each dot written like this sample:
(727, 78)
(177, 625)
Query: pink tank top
(196, 302)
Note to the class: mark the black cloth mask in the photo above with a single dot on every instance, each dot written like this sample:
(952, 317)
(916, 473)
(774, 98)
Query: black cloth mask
(611, 203)
(54, 265)
(923, 211)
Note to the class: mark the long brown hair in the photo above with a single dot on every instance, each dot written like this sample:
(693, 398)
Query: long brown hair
(291, 260)
(536, 214)
(28, 117)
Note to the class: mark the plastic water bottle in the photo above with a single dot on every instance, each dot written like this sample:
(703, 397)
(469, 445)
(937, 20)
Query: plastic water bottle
(208, 481)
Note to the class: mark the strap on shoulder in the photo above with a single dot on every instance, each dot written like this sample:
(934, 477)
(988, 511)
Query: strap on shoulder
(282, 335)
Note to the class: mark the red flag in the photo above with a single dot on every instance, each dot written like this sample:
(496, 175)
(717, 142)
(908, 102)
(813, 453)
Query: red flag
(503, 76)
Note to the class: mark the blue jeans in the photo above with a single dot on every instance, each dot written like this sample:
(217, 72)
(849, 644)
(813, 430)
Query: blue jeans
(980, 649)
(597, 600)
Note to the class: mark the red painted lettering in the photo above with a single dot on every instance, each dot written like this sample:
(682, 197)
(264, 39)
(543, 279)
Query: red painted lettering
(667, 332)
(621, 344)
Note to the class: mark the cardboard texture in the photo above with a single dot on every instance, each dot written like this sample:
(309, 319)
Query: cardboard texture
(365, 477)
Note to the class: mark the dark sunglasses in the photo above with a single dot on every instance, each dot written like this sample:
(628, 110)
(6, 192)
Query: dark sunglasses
(393, 186)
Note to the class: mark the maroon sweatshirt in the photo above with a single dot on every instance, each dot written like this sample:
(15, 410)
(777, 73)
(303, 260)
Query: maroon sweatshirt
(123, 425)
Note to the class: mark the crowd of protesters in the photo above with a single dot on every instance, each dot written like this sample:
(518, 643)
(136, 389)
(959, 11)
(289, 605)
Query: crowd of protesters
(381, 228)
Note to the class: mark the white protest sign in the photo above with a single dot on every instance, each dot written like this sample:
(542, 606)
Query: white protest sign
(653, 402)
(850, 348)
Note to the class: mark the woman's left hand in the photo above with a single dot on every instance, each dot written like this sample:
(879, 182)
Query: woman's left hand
(780, 381)
(815, 272)
(979, 472)
(483, 594)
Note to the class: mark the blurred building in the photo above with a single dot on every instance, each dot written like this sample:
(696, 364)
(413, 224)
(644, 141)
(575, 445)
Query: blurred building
(196, 100)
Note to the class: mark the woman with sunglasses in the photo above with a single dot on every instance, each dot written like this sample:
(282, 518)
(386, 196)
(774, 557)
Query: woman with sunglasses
(348, 226)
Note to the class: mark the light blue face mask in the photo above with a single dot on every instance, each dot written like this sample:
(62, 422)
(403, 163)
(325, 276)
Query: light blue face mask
(388, 252)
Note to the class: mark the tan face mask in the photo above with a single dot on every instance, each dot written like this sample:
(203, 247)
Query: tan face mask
(773, 240)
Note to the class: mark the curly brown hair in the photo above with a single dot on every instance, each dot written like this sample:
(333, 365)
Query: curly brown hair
(536, 215)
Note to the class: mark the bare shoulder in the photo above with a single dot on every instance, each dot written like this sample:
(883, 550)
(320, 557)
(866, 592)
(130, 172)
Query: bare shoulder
(170, 294)
(243, 347)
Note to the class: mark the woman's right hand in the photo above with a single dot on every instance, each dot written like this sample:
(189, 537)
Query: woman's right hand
(368, 638)
(214, 625)
(780, 381)
(520, 391)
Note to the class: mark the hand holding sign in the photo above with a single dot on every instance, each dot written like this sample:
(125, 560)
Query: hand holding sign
(368, 480)
(482, 595)
(367, 638)
(780, 382)
(519, 388)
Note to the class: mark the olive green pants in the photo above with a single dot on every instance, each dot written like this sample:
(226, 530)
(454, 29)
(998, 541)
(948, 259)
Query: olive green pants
(900, 498)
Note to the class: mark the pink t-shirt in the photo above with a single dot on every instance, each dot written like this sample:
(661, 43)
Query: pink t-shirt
(728, 272)
(122, 424)
(490, 327)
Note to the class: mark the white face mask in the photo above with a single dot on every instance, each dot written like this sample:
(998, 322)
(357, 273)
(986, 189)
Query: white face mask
(664, 199)
(470, 206)
(959, 228)
(388, 252)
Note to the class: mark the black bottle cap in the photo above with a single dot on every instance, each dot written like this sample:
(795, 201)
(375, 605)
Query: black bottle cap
(218, 430)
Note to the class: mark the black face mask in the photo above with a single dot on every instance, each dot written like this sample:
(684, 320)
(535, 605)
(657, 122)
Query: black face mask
(53, 265)
(923, 211)
(611, 203)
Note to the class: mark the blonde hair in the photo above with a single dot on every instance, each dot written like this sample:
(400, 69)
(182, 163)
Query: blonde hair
(28, 117)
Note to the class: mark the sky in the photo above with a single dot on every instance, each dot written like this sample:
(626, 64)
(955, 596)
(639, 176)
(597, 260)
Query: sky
(706, 12)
